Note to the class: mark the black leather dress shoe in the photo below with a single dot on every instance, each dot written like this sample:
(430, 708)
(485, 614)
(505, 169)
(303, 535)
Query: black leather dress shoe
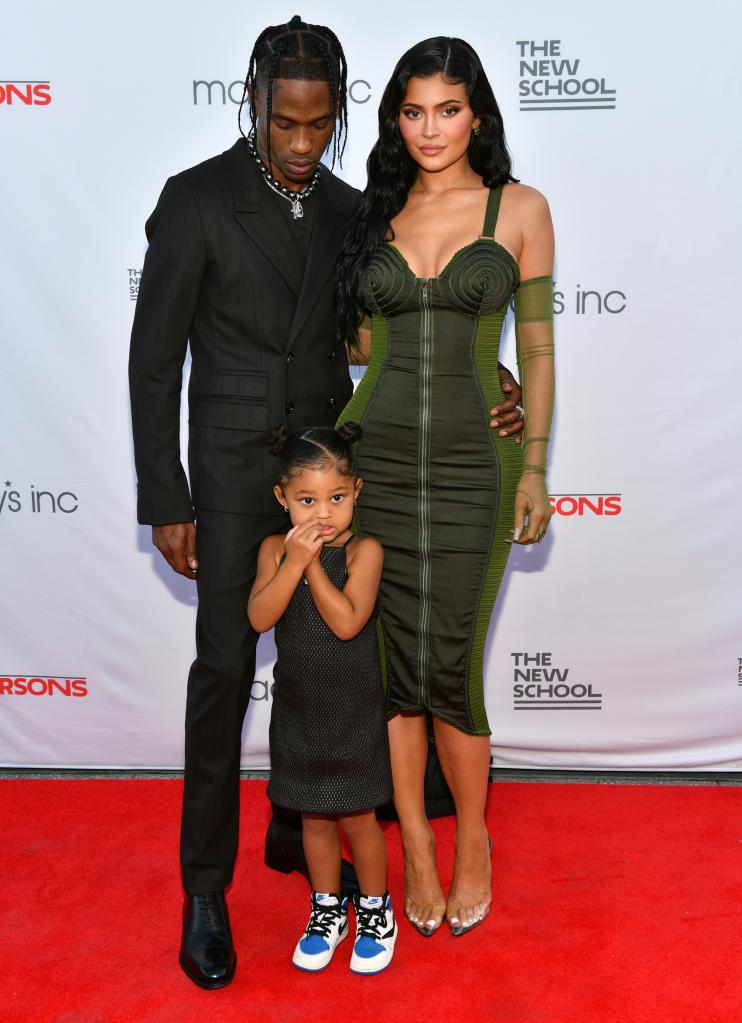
(206, 953)
(286, 854)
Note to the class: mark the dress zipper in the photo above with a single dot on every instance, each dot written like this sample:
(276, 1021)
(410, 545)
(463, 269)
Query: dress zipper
(424, 455)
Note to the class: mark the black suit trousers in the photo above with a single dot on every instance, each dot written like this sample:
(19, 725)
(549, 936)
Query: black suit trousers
(219, 686)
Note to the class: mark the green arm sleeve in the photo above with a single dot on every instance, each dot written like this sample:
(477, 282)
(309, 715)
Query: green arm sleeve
(534, 339)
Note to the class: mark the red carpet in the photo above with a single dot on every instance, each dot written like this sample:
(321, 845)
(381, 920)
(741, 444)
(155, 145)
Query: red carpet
(613, 904)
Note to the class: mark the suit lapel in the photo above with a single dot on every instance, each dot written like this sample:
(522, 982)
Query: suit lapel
(256, 216)
(328, 231)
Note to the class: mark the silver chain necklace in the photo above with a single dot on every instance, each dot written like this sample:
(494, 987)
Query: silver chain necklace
(293, 198)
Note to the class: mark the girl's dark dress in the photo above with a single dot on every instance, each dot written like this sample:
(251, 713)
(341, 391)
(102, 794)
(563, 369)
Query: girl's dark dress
(328, 734)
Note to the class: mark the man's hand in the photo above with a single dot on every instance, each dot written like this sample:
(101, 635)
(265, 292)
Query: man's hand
(506, 416)
(177, 544)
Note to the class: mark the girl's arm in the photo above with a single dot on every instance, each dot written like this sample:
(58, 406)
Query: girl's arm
(276, 580)
(346, 611)
(535, 350)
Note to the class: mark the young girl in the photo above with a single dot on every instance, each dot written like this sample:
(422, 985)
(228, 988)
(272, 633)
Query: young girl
(318, 584)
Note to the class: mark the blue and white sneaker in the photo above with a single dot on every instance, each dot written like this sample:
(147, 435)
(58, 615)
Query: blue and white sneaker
(328, 925)
(376, 933)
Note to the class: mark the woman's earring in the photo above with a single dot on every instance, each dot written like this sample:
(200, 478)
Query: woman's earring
(286, 508)
(476, 130)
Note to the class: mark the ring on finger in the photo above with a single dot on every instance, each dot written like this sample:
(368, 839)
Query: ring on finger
(521, 411)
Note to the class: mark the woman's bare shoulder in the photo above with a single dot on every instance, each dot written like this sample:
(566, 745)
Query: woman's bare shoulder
(526, 199)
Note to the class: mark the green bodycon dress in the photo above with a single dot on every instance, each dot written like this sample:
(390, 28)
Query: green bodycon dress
(438, 482)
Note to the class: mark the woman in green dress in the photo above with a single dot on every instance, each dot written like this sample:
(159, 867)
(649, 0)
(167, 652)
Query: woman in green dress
(444, 238)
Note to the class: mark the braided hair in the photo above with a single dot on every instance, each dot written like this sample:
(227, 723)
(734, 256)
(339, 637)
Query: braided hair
(298, 51)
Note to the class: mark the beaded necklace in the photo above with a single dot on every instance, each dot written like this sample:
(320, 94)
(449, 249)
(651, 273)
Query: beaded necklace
(293, 198)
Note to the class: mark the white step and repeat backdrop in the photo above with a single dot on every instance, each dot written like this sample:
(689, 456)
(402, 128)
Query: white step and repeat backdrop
(617, 642)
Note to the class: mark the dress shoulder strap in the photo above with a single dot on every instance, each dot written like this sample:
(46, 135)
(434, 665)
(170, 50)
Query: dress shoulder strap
(493, 208)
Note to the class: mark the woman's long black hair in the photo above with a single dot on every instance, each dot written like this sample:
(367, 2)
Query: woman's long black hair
(392, 171)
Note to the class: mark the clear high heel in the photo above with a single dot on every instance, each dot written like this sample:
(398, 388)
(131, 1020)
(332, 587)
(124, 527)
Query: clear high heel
(463, 928)
(426, 928)
(426, 931)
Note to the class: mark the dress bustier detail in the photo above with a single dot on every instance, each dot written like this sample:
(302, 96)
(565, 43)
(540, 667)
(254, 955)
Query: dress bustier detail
(478, 279)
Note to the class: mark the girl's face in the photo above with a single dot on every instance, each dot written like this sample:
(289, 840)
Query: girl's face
(323, 496)
(436, 122)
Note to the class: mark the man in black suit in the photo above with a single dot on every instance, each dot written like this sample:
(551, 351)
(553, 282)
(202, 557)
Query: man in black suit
(241, 259)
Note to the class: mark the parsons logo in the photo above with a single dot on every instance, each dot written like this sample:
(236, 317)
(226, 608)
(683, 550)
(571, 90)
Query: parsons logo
(586, 504)
(25, 94)
(43, 685)
(550, 80)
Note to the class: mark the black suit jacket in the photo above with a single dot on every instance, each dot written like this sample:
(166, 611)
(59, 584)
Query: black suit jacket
(217, 274)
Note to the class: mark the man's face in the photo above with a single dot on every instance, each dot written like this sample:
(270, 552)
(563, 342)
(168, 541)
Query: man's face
(302, 121)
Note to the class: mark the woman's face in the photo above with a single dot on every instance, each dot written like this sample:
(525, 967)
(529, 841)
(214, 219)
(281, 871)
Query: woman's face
(436, 122)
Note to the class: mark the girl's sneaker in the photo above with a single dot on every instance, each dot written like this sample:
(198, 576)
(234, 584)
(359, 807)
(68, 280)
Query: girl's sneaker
(328, 925)
(376, 933)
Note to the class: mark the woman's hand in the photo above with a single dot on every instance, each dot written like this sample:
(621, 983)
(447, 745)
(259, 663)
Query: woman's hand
(531, 503)
(303, 544)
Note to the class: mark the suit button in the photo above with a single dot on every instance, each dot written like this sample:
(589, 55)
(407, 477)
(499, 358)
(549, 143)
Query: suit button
(331, 403)
(290, 357)
(289, 409)
(332, 355)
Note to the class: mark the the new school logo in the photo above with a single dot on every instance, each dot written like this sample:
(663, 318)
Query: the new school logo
(135, 276)
(25, 94)
(43, 685)
(540, 685)
(603, 505)
(551, 81)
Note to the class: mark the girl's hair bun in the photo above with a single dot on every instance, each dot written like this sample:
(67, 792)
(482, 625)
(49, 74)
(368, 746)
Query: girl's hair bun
(277, 439)
(350, 432)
